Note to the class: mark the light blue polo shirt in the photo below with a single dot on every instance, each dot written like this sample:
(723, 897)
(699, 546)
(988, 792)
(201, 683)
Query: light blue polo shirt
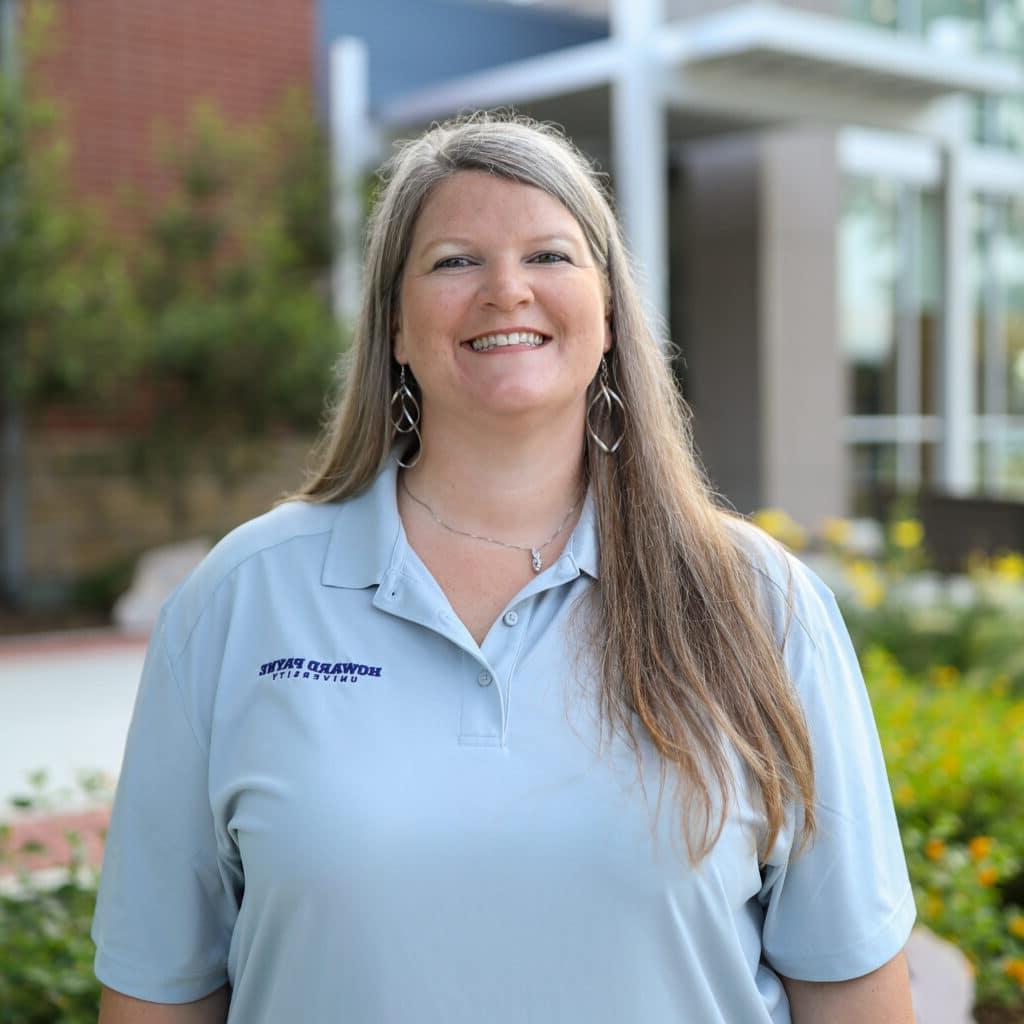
(335, 800)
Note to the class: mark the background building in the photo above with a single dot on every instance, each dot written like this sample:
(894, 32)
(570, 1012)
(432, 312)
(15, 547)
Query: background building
(827, 201)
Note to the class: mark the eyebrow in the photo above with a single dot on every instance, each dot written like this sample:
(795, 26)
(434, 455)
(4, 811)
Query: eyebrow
(460, 242)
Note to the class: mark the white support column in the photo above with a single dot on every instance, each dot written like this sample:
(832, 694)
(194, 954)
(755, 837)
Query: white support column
(640, 150)
(353, 150)
(958, 366)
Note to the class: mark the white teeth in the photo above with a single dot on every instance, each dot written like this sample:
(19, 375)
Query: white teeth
(502, 340)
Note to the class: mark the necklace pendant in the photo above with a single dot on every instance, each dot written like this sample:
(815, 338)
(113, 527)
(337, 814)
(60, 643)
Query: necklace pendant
(536, 559)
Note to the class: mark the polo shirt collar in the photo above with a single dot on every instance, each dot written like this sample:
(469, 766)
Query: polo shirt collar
(367, 534)
(368, 538)
(583, 545)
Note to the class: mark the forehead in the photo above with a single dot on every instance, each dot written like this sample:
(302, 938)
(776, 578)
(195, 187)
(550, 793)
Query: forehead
(478, 202)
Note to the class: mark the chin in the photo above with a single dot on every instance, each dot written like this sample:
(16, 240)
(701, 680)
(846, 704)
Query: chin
(526, 407)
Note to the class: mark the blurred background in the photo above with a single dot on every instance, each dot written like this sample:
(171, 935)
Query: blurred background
(825, 201)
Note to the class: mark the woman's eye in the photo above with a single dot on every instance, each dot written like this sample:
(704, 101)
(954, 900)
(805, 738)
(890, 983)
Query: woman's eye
(550, 257)
(452, 262)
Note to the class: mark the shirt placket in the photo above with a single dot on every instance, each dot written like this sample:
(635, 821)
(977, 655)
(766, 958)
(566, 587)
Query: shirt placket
(487, 671)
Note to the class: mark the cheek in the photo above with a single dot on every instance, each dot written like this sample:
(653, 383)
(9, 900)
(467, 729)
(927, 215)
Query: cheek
(589, 307)
(435, 310)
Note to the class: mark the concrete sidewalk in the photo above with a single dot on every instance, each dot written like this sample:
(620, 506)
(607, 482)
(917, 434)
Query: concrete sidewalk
(65, 704)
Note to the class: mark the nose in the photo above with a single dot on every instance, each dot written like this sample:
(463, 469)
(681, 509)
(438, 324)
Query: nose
(506, 285)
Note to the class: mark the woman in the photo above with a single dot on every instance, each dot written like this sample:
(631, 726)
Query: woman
(401, 747)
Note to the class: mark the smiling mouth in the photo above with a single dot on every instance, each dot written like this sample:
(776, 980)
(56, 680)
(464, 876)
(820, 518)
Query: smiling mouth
(525, 339)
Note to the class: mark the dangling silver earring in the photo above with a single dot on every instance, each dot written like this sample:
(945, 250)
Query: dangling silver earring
(606, 401)
(405, 416)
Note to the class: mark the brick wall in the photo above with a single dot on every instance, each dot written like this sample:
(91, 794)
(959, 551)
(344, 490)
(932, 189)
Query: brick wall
(88, 510)
(125, 70)
(126, 73)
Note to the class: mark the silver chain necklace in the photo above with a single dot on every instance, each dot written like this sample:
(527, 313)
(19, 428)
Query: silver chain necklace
(535, 555)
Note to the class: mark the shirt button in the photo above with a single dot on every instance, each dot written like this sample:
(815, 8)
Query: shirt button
(510, 618)
(485, 679)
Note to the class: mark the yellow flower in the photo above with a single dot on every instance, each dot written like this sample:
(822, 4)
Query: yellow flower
(906, 533)
(1015, 969)
(868, 586)
(934, 849)
(979, 847)
(778, 524)
(933, 906)
(1016, 926)
(988, 877)
(1009, 567)
(835, 531)
(945, 676)
(904, 794)
(772, 520)
(950, 764)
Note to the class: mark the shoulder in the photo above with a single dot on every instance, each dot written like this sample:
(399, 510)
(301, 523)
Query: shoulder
(293, 537)
(799, 603)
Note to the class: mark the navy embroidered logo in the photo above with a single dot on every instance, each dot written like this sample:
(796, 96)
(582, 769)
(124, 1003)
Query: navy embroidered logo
(309, 668)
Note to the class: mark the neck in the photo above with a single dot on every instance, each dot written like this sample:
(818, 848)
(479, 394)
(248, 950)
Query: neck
(514, 488)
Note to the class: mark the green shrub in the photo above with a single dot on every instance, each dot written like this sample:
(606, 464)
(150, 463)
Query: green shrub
(46, 953)
(955, 756)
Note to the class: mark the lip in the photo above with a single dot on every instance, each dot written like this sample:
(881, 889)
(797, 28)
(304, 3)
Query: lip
(521, 329)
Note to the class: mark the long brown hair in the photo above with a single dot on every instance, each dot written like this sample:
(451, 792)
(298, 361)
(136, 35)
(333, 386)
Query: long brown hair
(687, 647)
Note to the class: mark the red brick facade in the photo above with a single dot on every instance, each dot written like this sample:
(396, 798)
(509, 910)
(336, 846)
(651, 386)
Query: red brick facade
(125, 70)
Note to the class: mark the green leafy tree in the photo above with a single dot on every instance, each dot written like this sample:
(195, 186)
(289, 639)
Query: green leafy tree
(235, 331)
(63, 290)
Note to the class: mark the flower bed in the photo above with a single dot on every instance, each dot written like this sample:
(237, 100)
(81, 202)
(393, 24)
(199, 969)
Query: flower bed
(955, 756)
(943, 657)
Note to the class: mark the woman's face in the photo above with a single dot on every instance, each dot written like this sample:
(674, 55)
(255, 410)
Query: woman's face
(503, 312)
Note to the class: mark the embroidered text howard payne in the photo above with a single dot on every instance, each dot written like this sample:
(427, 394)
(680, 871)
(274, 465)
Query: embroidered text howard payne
(305, 668)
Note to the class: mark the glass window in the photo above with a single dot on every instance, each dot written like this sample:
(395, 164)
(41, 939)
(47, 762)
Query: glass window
(929, 249)
(868, 260)
(999, 467)
(999, 121)
(954, 25)
(873, 476)
(1009, 122)
(1009, 267)
(981, 283)
(875, 12)
(891, 312)
(998, 288)
(1005, 26)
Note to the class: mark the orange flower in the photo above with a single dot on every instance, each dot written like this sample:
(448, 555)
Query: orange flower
(988, 877)
(1016, 926)
(945, 676)
(1015, 969)
(904, 794)
(980, 847)
(934, 849)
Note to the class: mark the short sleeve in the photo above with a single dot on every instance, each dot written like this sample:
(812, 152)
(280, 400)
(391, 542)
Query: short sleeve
(842, 906)
(166, 905)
